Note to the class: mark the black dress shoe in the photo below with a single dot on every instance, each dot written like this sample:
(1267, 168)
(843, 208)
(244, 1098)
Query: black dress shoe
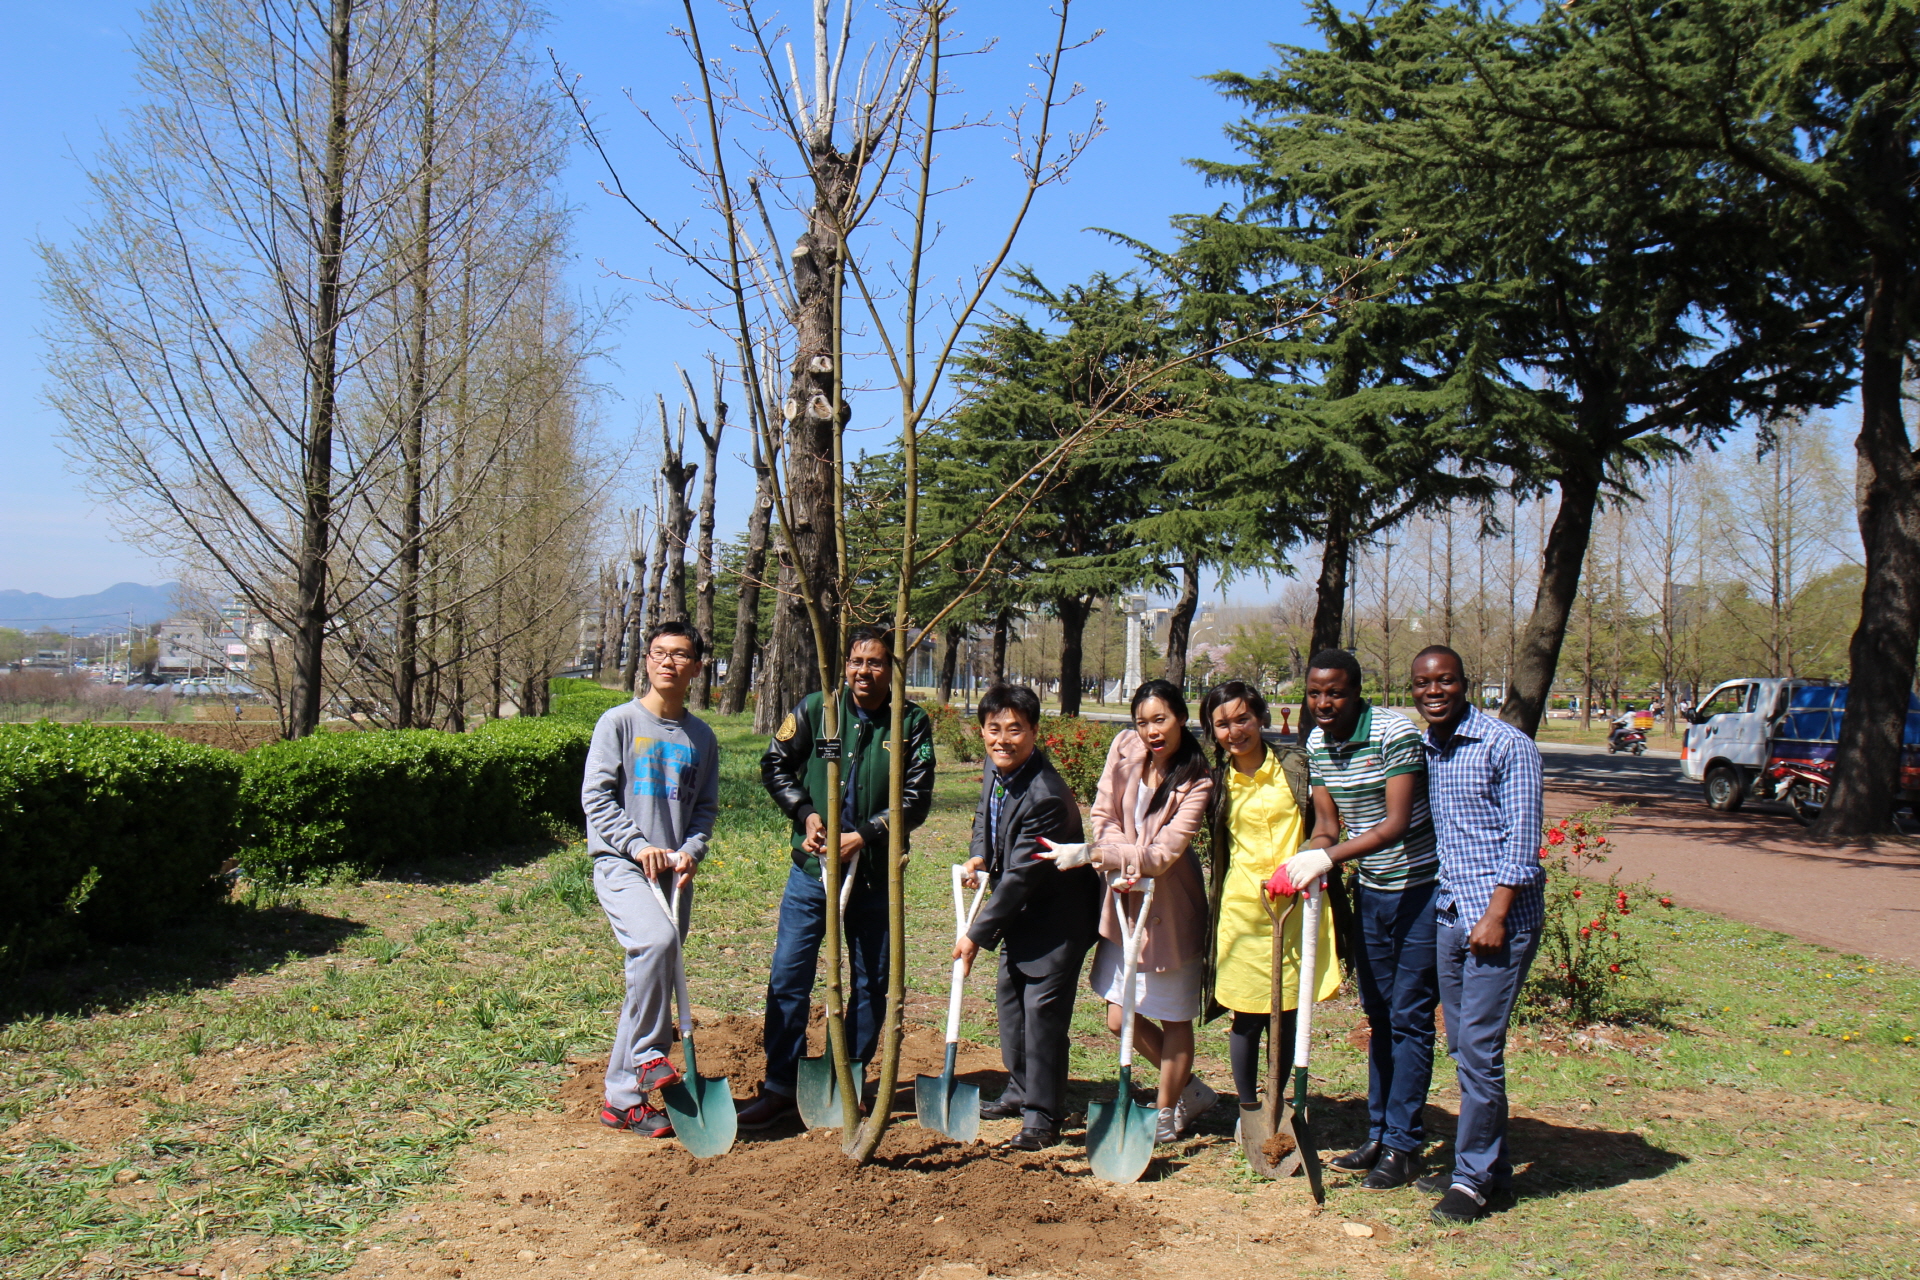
(1457, 1207)
(1000, 1109)
(1434, 1183)
(1358, 1160)
(1392, 1169)
(1033, 1138)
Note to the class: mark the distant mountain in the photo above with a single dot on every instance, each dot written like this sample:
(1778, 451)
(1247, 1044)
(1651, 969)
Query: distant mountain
(29, 610)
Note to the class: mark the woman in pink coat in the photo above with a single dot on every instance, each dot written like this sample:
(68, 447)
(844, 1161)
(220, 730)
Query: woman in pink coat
(1152, 800)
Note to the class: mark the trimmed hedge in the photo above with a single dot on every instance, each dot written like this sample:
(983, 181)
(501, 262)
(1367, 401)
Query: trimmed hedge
(107, 832)
(349, 803)
(582, 701)
(547, 758)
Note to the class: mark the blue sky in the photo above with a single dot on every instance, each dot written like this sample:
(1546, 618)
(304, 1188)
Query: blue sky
(67, 71)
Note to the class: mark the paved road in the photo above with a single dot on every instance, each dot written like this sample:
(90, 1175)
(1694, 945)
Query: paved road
(1756, 865)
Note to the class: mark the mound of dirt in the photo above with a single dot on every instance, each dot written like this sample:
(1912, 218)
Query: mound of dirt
(798, 1206)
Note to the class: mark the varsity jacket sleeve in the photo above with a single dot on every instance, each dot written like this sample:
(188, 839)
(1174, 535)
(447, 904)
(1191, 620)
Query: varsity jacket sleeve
(783, 767)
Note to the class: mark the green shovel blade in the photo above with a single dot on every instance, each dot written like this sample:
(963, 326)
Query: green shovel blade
(1120, 1134)
(946, 1105)
(816, 1091)
(702, 1111)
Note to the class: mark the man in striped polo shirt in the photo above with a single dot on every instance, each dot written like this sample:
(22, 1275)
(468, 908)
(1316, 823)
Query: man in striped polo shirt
(1370, 808)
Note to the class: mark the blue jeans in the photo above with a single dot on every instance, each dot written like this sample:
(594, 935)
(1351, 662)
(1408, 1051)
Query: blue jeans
(796, 955)
(1399, 988)
(1478, 994)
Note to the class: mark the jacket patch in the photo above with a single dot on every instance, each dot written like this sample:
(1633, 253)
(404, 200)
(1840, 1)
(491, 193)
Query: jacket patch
(787, 729)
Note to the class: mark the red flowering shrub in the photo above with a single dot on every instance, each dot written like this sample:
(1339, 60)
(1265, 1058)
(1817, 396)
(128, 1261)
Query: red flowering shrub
(1583, 965)
(1078, 749)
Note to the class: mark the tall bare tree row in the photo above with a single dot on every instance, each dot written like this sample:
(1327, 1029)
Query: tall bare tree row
(312, 342)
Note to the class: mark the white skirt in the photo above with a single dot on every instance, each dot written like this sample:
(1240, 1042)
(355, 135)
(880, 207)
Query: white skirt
(1172, 996)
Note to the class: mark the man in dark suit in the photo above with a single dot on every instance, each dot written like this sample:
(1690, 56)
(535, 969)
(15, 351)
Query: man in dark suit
(1041, 918)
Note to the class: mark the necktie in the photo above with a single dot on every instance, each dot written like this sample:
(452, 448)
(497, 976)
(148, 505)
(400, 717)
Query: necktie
(994, 802)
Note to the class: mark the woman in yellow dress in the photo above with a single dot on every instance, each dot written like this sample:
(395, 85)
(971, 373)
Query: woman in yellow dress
(1261, 816)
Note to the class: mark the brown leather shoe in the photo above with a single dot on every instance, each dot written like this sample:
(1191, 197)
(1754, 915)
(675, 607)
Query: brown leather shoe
(765, 1111)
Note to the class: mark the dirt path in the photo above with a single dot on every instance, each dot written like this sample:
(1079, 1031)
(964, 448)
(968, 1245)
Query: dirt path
(1754, 867)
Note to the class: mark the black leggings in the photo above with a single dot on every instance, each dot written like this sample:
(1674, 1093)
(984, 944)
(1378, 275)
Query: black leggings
(1243, 1050)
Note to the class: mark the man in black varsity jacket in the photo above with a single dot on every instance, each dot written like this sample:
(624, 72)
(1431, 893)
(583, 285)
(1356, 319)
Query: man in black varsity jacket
(795, 775)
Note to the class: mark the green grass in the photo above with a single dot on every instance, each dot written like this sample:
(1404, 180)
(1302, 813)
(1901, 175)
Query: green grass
(381, 1025)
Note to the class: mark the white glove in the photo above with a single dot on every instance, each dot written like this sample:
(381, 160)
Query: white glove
(1067, 856)
(1304, 869)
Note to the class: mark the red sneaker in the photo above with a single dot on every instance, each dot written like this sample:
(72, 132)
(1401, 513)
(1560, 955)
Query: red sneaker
(651, 1121)
(653, 1071)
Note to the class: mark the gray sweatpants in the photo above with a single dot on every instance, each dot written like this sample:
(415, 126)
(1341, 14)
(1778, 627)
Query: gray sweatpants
(642, 930)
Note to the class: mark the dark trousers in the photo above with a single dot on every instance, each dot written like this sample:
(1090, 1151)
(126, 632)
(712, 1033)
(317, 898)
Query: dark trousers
(1478, 994)
(796, 956)
(1036, 1010)
(1399, 987)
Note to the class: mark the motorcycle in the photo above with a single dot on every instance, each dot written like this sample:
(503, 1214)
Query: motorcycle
(1632, 741)
(1802, 785)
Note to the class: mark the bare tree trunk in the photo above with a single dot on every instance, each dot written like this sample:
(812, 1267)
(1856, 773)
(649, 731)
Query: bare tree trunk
(677, 519)
(637, 555)
(812, 433)
(316, 522)
(1002, 626)
(1867, 765)
(1073, 613)
(767, 706)
(406, 658)
(1180, 622)
(746, 623)
(1538, 655)
(949, 664)
(703, 579)
(656, 609)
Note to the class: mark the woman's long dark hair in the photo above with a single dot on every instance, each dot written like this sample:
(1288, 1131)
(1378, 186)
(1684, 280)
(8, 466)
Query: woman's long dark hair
(1217, 697)
(1188, 761)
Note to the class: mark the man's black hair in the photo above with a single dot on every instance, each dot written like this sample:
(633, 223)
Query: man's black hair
(882, 636)
(1337, 660)
(1016, 698)
(674, 627)
(1443, 651)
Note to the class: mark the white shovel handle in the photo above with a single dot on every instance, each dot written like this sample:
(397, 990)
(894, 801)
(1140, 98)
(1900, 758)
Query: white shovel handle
(1132, 942)
(671, 906)
(962, 918)
(847, 869)
(1309, 974)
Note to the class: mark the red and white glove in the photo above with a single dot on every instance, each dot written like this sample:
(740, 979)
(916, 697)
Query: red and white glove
(1299, 873)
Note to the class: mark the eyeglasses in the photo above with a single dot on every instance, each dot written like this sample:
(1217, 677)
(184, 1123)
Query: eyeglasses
(672, 658)
(860, 664)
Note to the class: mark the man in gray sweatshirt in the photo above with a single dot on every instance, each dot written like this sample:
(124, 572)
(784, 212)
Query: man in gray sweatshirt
(652, 790)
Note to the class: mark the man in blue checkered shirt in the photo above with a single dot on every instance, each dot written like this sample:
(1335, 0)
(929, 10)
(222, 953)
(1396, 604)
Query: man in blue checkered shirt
(1484, 790)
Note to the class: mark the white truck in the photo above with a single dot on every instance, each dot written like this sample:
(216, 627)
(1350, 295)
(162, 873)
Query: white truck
(1775, 739)
(1730, 739)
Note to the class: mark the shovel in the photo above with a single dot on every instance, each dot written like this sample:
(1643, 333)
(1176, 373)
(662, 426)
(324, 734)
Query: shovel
(940, 1104)
(816, 1089)
(701, 1108)
(1257, 1124)
(1295, 1124)
(1120, 1133)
